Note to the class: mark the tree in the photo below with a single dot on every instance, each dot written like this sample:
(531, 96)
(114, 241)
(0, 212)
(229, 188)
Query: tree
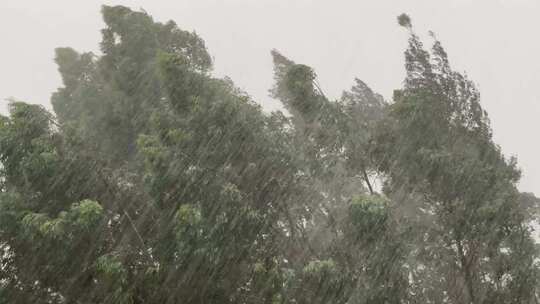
(334, 139)
(155, 182)
(439, 147)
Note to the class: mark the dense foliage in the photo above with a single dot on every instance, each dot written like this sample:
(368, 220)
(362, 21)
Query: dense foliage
(155, 182)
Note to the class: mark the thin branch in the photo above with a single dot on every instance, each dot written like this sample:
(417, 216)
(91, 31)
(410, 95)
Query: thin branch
(366, 178)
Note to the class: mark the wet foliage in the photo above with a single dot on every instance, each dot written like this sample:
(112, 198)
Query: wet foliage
(155, 182)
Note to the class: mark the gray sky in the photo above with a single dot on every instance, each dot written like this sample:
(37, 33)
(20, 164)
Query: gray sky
(494, 41)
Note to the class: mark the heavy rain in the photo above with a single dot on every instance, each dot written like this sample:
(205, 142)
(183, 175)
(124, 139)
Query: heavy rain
(147, 174)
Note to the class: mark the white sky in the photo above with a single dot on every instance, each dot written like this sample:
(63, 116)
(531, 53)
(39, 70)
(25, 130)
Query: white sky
(494, 41)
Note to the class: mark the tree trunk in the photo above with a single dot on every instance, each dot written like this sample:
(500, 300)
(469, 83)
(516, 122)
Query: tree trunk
(466, 269)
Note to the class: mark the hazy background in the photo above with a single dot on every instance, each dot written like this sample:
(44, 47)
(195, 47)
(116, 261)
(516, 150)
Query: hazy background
(495, 41)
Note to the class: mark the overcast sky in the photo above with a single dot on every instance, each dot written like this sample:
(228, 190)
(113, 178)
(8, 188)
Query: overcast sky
(495, 41)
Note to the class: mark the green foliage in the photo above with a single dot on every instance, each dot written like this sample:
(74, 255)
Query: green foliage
(437, 146)
(155, 182)
(368, 216)
(404, 20)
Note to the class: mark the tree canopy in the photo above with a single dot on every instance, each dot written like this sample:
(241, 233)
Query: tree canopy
(155, 182)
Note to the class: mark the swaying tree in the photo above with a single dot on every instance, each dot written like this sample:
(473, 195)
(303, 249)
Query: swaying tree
(155, 182)
(436, 145)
